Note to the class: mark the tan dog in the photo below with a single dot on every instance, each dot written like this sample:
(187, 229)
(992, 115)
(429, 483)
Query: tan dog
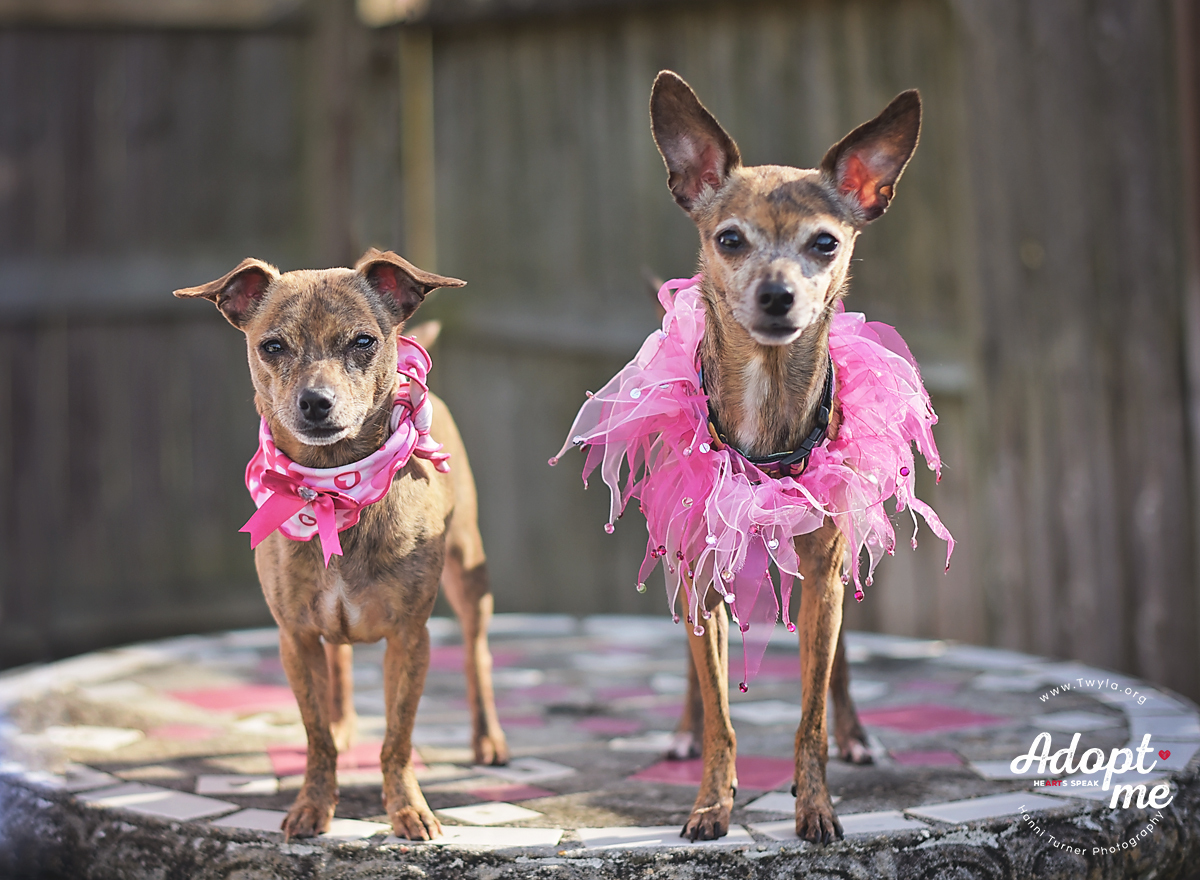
(775, 246)
(322, 350)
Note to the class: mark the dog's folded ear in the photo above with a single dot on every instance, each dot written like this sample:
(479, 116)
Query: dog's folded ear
(699, 154)
(400, 284)
(238, 293)
(865, 164)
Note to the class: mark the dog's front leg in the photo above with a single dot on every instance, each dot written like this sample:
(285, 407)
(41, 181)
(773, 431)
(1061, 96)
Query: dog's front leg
(819, 622)
(304, 662)
(714, 802)
(404, 668)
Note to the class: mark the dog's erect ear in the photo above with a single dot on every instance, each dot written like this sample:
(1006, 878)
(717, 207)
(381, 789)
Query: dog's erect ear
(239, 293)
(865, 164)
(402, 285)
(698, 152)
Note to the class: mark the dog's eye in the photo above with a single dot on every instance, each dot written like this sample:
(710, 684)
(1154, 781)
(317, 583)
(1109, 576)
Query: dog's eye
(825, 243)
(730, 240)
(272, 346)
(364, 341)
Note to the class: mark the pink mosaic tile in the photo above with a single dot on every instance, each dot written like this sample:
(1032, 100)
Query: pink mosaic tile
(927, 759)
(240, 698)
(449, 658)
(509, 793)
(290, 760)
(522, 721)
(753, 772)
(184, 732)
(926, 718)
(929, 686)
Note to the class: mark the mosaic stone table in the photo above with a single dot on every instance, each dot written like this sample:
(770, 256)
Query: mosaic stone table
(177, 759)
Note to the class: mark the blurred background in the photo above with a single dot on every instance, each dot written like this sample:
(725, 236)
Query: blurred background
(1040, 257)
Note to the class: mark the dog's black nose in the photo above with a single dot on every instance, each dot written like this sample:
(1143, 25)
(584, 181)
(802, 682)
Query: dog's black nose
(315, 403)
(775, 298)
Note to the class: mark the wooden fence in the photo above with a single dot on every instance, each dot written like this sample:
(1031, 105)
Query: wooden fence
(1037, 258)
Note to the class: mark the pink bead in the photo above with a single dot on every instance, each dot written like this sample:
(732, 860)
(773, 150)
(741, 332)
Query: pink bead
(743, 687)
(610, 528)
(904, 472)
(553, 461)
(791, 627)
(858, 594)
(698, 630)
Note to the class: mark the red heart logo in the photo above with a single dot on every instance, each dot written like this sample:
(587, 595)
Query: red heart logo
(1164, 753)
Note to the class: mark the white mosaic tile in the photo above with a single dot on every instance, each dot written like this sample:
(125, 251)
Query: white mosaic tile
(668, 683)
(228, 783)
(766, 712)
(441, 735)
(508, 677)
(489, 813)
(1074, 722)
(864, 691)
(74, 777)
(254, 820)
(529, 770)
(986, 659)
(514, 624)
(1155, 703)
(83, 736)
(493, 838)
(1010, 682)
(894, 647)
(778, 802)
(633, 630)
(632, 661)
(663, 835)
(1175, 728)
(882, 822)
(151, 800)
(1003, 770)
(354, 829)
(988, 807)
(652, 741)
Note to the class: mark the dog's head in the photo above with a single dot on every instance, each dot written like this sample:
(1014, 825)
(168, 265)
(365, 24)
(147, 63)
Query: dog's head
(321, 343)
(775, 240)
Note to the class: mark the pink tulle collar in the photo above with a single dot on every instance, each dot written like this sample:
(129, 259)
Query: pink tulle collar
(718, 522)
(302, 502)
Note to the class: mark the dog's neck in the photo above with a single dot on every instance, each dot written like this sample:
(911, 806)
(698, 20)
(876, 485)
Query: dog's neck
(765, 397)
(373, 434)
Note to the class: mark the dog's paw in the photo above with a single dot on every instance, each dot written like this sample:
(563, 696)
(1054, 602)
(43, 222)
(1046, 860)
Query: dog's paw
(491, 750)
(854, 750)
(308, 817)
(708, 822)
(684, 747)
(817, 822)
(415, 823)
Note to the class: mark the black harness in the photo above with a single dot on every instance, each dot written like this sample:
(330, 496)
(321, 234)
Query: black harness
(793, 462)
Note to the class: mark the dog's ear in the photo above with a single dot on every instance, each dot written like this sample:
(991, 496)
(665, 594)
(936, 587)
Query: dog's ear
(698, 153)
(239, 293)
(401, 285)
(865, 164)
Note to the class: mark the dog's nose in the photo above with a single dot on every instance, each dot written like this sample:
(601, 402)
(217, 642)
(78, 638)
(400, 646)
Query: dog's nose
(775, 298)
(315, 403)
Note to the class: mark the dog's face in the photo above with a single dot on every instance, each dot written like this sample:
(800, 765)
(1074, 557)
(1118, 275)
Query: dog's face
(776, 241)
(321, 343)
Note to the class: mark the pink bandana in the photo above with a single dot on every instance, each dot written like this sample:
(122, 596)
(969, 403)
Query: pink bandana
(302, 502)
(717, 518)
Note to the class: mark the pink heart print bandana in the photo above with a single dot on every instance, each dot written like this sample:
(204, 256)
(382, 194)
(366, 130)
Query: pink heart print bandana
(302, 502)
(715, 520)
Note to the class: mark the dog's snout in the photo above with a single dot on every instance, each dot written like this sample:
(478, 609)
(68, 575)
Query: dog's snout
(775, 298)
(316, 403)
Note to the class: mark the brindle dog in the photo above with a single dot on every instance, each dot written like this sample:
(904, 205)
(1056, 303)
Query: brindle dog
(322, 350)
(775, 246)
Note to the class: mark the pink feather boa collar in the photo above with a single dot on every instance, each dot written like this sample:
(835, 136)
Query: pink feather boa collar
(717, 522)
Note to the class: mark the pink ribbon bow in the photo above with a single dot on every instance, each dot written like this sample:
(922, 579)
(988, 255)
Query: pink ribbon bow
(290, 495)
